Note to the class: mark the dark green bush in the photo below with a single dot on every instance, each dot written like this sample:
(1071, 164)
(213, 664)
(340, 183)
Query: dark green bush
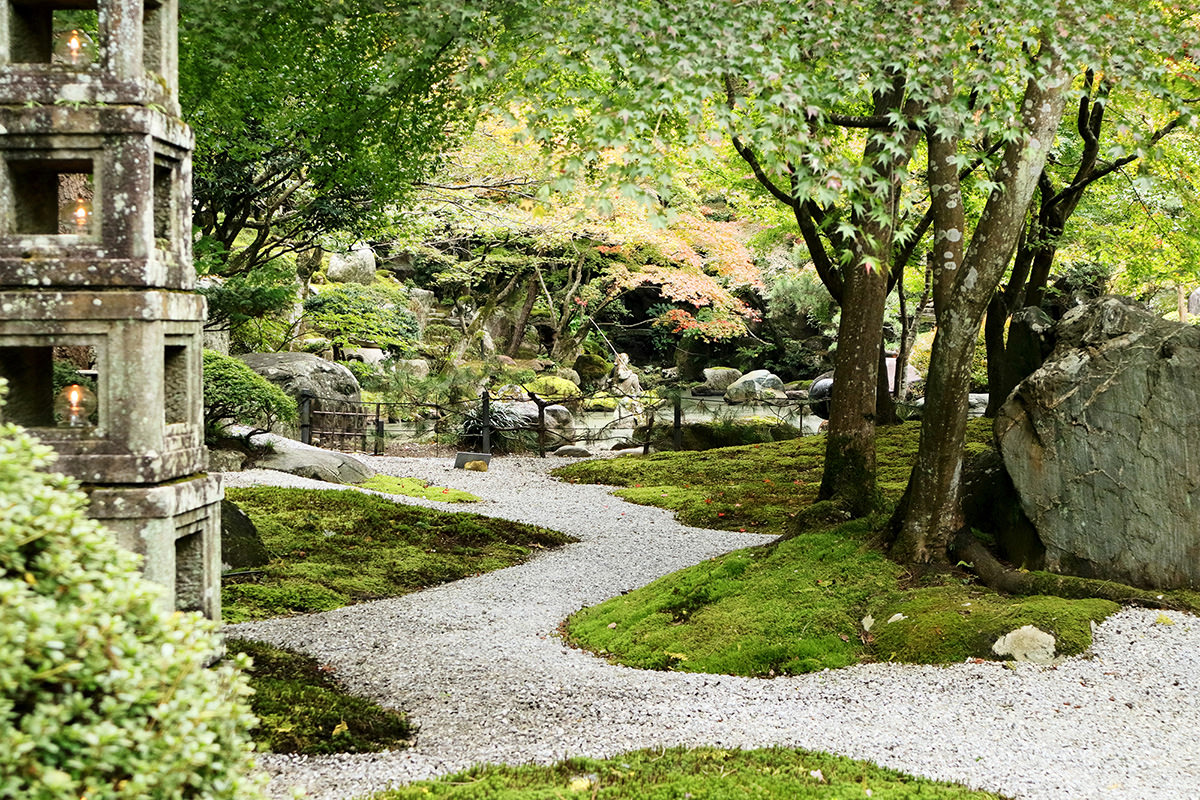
(235, 393)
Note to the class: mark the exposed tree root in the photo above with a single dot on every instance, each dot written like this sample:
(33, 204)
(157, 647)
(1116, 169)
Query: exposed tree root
(1011, 581)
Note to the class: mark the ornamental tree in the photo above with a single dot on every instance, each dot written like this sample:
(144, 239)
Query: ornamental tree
(837, 107)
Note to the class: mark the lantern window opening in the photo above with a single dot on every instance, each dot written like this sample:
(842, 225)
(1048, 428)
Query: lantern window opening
(64, 33)
(51, 196)
(164, 201)
(45, 391)
(176, 382)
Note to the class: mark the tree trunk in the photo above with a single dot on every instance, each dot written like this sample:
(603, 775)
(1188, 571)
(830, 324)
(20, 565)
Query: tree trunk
(885, 404)
(518, 333)
(933, 508)
(963, 286)
(849, 473)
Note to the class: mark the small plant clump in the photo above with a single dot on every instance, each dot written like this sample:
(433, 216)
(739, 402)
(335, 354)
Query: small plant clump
(332, 547)
(702, 772)
(304, 710)
(414, 487)
(102, 695)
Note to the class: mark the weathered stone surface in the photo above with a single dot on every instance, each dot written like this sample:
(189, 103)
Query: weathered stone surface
(298, 373)
(568, 374)
(416, 368)
(716, 381)
(1101, 446)
(1026, 643)
(241, 546)
(367, 355)
(288, 455)
(558, 417)
(758, 385)
(1030, 340)
(356, 266)
(573, 451)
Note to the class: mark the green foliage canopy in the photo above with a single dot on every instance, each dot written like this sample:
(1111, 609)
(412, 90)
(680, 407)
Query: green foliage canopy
(312, 117)
(350, 313)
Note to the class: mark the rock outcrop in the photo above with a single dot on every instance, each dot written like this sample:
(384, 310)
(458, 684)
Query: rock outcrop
(716, 381)
(297, 458)
(356, 266)
(757, 386)
(1100, 443)
(300, 373)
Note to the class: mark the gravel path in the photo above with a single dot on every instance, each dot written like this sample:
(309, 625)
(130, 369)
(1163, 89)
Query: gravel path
(479, 667)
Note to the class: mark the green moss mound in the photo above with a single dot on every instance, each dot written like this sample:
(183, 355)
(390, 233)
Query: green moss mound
(677, 773)
(554, 389)
(414, 487)
(304, 710)
(333, 547)
(754, 487)
(798, 605)
(762, 611)
(723, 433)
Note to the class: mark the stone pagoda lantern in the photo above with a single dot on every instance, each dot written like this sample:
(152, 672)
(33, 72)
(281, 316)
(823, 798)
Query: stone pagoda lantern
(100, 323)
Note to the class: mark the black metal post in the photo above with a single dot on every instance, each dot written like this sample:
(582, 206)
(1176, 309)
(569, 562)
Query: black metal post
(306, 418)
(378, 429)
(541, 406)
(677, 432)
(486, 419)
(649, 434)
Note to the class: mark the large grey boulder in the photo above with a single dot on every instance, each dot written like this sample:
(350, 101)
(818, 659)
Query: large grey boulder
(297, 458)
(299, 373)
(757, 386)
(241, 545)
(558, 418)
(716, 381)
(356, 266)
(1101, 445)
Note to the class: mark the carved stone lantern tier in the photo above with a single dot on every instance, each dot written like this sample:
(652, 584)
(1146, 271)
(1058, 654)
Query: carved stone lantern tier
(146, 426)
(132, 60)
(132, 168)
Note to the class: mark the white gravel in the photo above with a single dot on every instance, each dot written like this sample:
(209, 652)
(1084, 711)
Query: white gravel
(479, 667)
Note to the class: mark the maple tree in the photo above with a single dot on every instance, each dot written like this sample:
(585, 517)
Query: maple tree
(838, 108)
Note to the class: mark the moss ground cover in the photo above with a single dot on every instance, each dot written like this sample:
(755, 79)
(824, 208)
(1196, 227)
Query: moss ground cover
(713, 774)
(334, 547)
(414, 487)
(755, 487)
(303, 709)
(799, 604)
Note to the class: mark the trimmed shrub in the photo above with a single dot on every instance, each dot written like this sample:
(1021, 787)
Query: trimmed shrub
(350, 314)
(235, 393)
(102, 696)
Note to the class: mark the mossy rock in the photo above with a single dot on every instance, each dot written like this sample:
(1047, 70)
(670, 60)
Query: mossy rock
(549, 387)
(592, 368)
(601, 401)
